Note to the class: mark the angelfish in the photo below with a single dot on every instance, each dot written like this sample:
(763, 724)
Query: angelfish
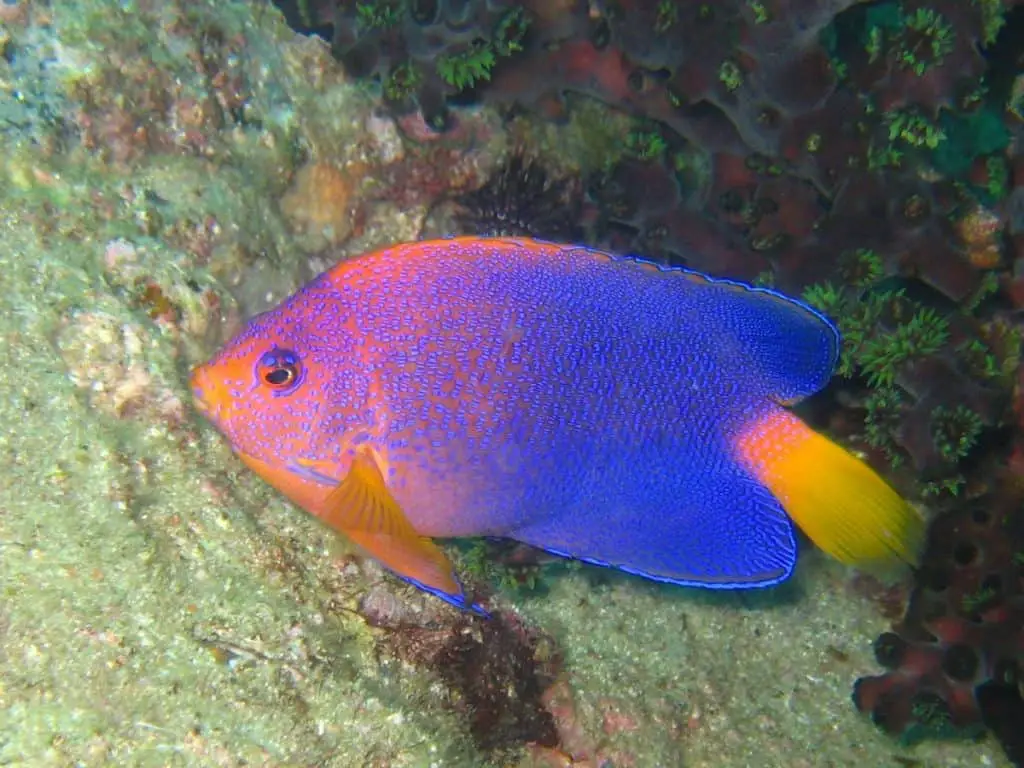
(599, 407)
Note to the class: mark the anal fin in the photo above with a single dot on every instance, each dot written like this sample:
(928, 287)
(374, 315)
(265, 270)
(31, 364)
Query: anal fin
(691, 517)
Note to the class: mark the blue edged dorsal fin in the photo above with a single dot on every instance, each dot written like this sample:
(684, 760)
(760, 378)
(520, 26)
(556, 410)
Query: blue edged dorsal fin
(794, 346)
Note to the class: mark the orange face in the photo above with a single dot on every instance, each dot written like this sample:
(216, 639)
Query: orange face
(279, 395)
(251, 396)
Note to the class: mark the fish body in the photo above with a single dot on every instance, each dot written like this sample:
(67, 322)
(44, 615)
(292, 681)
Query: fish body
(598, 407)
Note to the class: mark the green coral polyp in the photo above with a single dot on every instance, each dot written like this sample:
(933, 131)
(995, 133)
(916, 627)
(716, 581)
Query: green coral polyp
(826, 297)
(473, 65)
(862, 267)
(955, 431)
(884, 332)
(761, 15)
(730, 74)
(379, 15)
(466, 69)
(402, 82)
(884, 412)
(982, 361)
(998, 183)
(923, 335)
(914, 129)
(859, 313)
(508, 34)
(992, 12)
(647, 145)
(916, 41)
(668, 15)
(928, 40)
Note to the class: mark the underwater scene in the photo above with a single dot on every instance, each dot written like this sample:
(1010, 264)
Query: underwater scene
(477, 383)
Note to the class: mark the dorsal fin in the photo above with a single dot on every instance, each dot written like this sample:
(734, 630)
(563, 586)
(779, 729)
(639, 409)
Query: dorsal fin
(794, 346)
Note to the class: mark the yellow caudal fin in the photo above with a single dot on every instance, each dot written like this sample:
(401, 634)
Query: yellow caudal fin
(842, 504)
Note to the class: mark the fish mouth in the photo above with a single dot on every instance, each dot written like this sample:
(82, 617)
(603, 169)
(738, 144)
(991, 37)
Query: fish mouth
(202, 391)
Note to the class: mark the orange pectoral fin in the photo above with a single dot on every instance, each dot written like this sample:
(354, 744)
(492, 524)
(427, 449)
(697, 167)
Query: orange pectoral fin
(362, 508)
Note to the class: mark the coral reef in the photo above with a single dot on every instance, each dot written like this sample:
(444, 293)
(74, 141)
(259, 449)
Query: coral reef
(160, 601)
(956, 659)
(422, 53)
(853, 154)
(863, 154)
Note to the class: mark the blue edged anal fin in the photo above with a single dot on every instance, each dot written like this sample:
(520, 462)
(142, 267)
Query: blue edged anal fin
(362, 507)
(712, 528)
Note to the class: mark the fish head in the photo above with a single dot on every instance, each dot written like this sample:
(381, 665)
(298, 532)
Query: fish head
(280, 392)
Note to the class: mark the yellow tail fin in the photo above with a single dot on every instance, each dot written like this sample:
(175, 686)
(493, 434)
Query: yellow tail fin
(842, 505)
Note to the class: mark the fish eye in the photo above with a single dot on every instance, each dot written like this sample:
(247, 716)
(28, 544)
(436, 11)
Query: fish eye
(280, 370)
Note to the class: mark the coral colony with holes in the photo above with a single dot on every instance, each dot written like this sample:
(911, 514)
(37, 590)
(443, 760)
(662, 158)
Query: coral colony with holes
(864, 155)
